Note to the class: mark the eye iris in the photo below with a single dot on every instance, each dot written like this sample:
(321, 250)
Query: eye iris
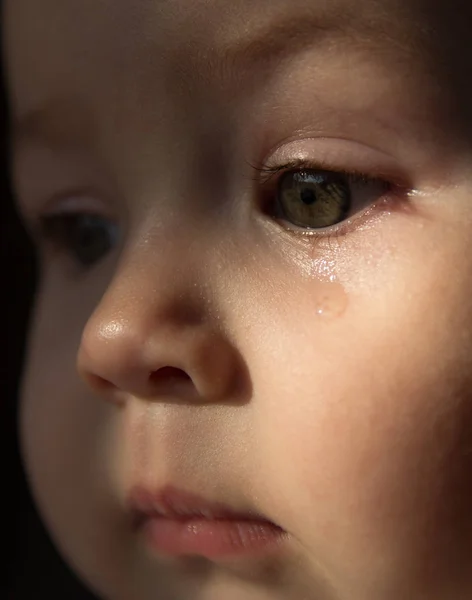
(91, 238)
(86, 237)
(314, 199)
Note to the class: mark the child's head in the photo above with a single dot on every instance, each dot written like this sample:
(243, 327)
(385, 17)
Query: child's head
(254, 221)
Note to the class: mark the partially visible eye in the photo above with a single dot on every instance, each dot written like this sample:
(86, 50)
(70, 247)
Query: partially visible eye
(86, 237)
(317, 199)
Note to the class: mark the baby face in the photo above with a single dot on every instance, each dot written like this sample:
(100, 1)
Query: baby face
(254, 225)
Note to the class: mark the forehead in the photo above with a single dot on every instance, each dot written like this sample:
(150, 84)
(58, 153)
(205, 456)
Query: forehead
(140, 48)
(193, 36)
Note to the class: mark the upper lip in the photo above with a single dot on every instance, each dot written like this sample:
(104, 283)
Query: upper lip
(174, 503)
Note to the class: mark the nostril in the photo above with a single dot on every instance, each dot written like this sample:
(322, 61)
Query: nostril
(168, 375)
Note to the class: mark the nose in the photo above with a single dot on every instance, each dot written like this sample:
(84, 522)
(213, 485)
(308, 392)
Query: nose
(158, 345)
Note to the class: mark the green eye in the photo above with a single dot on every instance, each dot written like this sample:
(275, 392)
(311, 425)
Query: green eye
(87, 238)
(315, 199)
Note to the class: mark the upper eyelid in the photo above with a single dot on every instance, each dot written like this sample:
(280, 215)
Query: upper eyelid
(268, 174)
(338, 154)
(69, 200)
(262, 168)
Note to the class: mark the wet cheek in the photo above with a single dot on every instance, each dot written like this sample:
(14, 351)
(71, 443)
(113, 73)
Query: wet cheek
(367, 413)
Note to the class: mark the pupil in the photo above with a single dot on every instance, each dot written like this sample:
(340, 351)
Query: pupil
(86, 238)
(308, 196)
(92, 240)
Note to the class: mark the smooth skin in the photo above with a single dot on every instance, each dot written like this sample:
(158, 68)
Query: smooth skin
(321, 378)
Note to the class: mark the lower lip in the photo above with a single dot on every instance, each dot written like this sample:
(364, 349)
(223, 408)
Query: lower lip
(211, 538)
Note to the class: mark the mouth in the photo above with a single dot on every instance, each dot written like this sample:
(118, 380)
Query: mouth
(179, 523)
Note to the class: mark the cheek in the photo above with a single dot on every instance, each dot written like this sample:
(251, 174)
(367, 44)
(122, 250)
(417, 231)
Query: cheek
(366, 419)
(66, 440)
(57, 410)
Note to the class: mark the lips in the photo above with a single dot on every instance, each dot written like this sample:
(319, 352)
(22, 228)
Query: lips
(172, 503)
(178, 523)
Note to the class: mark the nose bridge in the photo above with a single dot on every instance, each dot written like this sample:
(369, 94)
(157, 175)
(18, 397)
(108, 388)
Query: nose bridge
(156, 334)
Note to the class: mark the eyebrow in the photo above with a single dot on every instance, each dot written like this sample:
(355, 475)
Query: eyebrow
(289, 36)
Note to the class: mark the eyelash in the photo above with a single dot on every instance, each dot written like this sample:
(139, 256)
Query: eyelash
(394, 190)
(269, 172)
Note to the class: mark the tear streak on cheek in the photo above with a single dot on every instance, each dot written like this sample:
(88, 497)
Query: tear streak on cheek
(330, 300)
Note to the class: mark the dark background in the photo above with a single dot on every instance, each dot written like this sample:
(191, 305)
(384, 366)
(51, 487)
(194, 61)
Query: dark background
(32, 567)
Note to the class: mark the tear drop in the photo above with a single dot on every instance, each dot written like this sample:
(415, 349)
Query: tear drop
(331, 300)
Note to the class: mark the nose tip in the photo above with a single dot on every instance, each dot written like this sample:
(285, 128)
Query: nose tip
(108, 359)
(179, 364)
